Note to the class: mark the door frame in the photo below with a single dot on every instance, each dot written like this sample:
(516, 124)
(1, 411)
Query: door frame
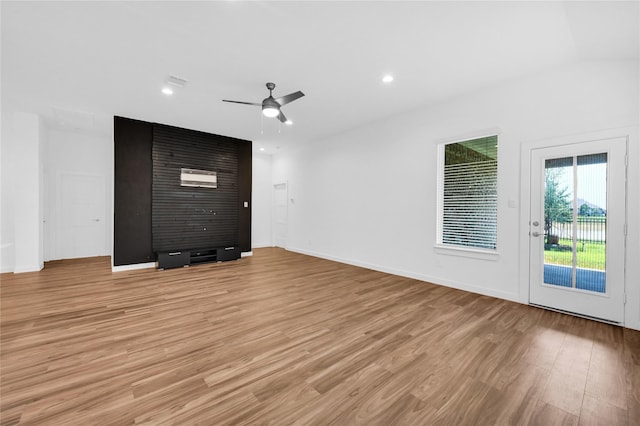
(273, 212)
(526, 149)
(58, 214)
(607, 306)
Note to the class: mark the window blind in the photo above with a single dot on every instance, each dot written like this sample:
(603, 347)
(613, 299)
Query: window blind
(470, 196)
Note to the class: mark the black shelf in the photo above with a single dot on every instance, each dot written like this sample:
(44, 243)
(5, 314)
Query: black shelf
(202, 256)
(180, 258)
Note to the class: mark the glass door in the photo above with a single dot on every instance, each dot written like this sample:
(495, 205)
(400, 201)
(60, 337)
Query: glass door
(577, 228)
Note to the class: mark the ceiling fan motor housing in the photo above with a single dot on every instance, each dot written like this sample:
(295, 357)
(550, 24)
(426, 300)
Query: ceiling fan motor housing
(270, 103)
(270, 107)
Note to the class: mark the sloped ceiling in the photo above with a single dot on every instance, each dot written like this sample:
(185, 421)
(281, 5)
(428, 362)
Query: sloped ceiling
(112, 58)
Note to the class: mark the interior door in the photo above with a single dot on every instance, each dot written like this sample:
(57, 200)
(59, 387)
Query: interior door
(280, 215)
(82, 228)
(577, 228)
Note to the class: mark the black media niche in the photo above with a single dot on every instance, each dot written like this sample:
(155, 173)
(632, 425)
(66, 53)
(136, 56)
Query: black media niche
(195, 220)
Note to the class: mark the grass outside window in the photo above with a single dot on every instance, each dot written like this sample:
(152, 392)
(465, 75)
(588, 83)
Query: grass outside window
(590, 255)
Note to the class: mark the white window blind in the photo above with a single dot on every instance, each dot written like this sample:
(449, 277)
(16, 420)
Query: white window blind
(469, 203)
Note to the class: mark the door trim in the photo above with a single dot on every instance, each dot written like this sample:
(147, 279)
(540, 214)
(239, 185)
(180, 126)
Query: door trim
(274, 219)
(525, 196)
(607, 306)
(57, 250)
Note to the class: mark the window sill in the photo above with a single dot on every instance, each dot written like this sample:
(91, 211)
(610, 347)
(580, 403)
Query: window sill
(466, 252)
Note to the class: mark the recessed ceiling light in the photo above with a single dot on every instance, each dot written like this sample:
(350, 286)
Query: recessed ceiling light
(261, 149)
(167, 91)
(288, 122)
(387, 78)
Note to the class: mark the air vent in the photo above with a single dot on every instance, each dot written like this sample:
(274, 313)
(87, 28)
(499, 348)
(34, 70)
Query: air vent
(176, 81)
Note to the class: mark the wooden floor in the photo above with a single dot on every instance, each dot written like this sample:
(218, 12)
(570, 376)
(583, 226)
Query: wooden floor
(284, 338)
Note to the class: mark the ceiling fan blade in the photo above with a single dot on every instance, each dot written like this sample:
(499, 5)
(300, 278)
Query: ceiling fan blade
(289, 98)
(281, 117)
(244, 103)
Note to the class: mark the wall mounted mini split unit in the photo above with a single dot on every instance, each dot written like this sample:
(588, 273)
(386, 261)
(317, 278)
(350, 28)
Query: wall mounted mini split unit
(198, 178)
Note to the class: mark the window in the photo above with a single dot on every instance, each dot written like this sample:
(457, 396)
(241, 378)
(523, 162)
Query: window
(468, 193)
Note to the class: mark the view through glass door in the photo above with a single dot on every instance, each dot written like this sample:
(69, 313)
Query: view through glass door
(577, 228)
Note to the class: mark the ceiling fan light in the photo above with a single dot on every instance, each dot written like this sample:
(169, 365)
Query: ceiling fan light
(270, 111)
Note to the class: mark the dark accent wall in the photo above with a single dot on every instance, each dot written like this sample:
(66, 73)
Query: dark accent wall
(132, 192)
(154, 213)
(186, 217)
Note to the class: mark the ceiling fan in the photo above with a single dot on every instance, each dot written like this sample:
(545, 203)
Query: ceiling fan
(271, 106)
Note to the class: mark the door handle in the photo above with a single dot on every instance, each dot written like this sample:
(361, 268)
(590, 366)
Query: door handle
(96, 220)
(535, 234)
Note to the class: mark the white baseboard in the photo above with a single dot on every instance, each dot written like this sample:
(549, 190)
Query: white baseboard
(261, 245)
(8, 266)
(513, 297)
(27, 268)
(133, 267)
(634, 325)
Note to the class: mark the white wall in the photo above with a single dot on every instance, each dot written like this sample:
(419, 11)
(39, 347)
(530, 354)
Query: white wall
(33, 157)
(25, 177)
(75, 153)
(368, 196)
(261, 198)
(7, 249)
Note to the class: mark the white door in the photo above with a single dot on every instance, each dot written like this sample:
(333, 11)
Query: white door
(577, 228)
(81, 216)
(280, 215)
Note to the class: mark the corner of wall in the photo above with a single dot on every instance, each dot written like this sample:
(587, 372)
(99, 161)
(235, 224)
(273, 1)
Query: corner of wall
(27, 201)
(7, 247)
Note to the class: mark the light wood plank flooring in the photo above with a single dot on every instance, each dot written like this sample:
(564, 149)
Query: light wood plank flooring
(281, 338)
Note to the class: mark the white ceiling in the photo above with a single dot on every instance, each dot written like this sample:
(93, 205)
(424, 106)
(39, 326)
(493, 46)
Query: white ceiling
(112, 58)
